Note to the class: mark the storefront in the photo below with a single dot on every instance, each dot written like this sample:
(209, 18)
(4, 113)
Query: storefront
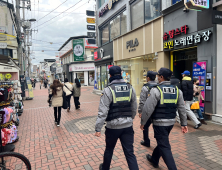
(103, 57)
(8, 71)
(188, 41)
(140, 51)
(84, 72)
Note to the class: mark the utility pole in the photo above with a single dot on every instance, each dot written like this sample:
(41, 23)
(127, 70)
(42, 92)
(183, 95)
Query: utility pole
(24, 30)
(21, 72)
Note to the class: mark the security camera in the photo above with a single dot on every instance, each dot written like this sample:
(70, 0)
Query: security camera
(185, 10)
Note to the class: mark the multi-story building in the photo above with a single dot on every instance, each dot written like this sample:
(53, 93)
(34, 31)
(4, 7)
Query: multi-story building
(8, 41)
(143, 35)
(77, 59)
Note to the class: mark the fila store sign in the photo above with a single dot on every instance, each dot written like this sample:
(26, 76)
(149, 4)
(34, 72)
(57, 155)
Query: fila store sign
(179, 38)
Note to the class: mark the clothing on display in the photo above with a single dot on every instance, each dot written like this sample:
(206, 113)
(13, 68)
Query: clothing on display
(10, 104)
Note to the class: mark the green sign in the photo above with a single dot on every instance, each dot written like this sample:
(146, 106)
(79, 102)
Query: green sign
(78, 50)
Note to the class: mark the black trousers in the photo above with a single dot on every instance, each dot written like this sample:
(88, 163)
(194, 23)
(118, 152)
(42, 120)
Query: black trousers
(68, 98)
(76, 102)
(161, 133)
(57, 118)
(146, 131)
(126, 137)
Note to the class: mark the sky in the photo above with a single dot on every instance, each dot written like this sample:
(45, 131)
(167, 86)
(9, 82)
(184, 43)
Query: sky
(70, 23)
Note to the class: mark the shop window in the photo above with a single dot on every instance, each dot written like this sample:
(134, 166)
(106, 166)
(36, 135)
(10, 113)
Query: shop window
(123, 18)
(137, 14)
(115, 28)
(105, 34)
(80, 76)
(134, 71)
(98, 78)
(91, 78)
(152, 9)
(104, 80)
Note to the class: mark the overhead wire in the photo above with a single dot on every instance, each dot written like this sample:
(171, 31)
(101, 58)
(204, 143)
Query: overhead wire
(53, 10)
(63, 16)
(60, 13)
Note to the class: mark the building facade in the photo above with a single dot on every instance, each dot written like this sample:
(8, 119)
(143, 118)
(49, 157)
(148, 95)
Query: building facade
(77, 60)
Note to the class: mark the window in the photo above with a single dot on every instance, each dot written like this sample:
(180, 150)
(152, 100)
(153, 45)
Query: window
(115, 28)
(167, 3)
(137, 12)
(152, 9)
(105, 34)
(101, 2)
(123, 18)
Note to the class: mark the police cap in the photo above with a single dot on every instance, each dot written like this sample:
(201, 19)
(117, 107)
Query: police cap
(151, 75)
(165, 72)
(115, 70)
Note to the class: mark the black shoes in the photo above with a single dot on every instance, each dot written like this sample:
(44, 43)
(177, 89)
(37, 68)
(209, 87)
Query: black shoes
(149, 158)
(145, 143)
(197, 126)
(101, 167)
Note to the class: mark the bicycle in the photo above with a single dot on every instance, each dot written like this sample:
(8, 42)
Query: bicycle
(14, 161)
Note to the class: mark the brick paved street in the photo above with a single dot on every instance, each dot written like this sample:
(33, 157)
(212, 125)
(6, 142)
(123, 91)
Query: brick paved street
(74, 146)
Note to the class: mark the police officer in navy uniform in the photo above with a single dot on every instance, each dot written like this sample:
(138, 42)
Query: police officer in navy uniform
(145, 92)
(118, 107)
(161, 106)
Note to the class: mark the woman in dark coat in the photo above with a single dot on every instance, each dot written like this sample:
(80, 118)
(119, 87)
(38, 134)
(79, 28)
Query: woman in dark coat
(76, 93)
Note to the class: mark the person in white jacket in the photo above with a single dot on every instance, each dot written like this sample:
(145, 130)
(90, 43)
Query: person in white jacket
(68, 89)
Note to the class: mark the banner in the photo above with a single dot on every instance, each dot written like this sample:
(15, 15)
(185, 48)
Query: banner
(78, 50)
(199, 72)
(28, 81)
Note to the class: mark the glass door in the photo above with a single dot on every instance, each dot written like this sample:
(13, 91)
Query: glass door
(103, 76)
(80, 76)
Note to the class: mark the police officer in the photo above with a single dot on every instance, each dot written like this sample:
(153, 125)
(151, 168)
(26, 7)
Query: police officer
(118, 106)
(143, 96)
(161, 106)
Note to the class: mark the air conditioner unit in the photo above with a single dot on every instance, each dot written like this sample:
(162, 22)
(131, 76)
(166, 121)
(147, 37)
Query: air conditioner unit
(26, 25)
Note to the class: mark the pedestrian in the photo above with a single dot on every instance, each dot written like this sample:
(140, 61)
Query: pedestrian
(55, 94)
(143, 96)
(197, 95)
(34, 82)
(76, 93)
(175, 81)
(161, 106)
(68, 89)
(41, 83)
(118, 105)
(187, 89)
(45, 83)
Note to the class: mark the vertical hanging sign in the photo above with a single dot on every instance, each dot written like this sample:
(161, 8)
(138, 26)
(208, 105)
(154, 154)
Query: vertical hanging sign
(199, 72)
(78, 49)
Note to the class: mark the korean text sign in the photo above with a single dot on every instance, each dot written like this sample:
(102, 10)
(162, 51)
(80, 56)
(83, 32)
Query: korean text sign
(179, 38)
(199, 72)
(78, 50)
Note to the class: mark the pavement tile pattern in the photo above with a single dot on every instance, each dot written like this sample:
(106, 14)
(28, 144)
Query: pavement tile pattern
(74, 146)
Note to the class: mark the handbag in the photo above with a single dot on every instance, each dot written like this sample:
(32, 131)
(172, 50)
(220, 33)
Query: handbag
(69, 89)
(195, 105)
(64, 104)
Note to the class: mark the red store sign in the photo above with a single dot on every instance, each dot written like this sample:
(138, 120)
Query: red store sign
(173, 33)
(95, 55)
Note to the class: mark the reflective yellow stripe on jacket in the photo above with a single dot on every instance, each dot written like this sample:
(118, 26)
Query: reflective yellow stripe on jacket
(162, 100)
(119, 99)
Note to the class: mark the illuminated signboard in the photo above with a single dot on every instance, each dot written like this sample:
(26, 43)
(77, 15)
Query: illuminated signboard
(196, 4)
